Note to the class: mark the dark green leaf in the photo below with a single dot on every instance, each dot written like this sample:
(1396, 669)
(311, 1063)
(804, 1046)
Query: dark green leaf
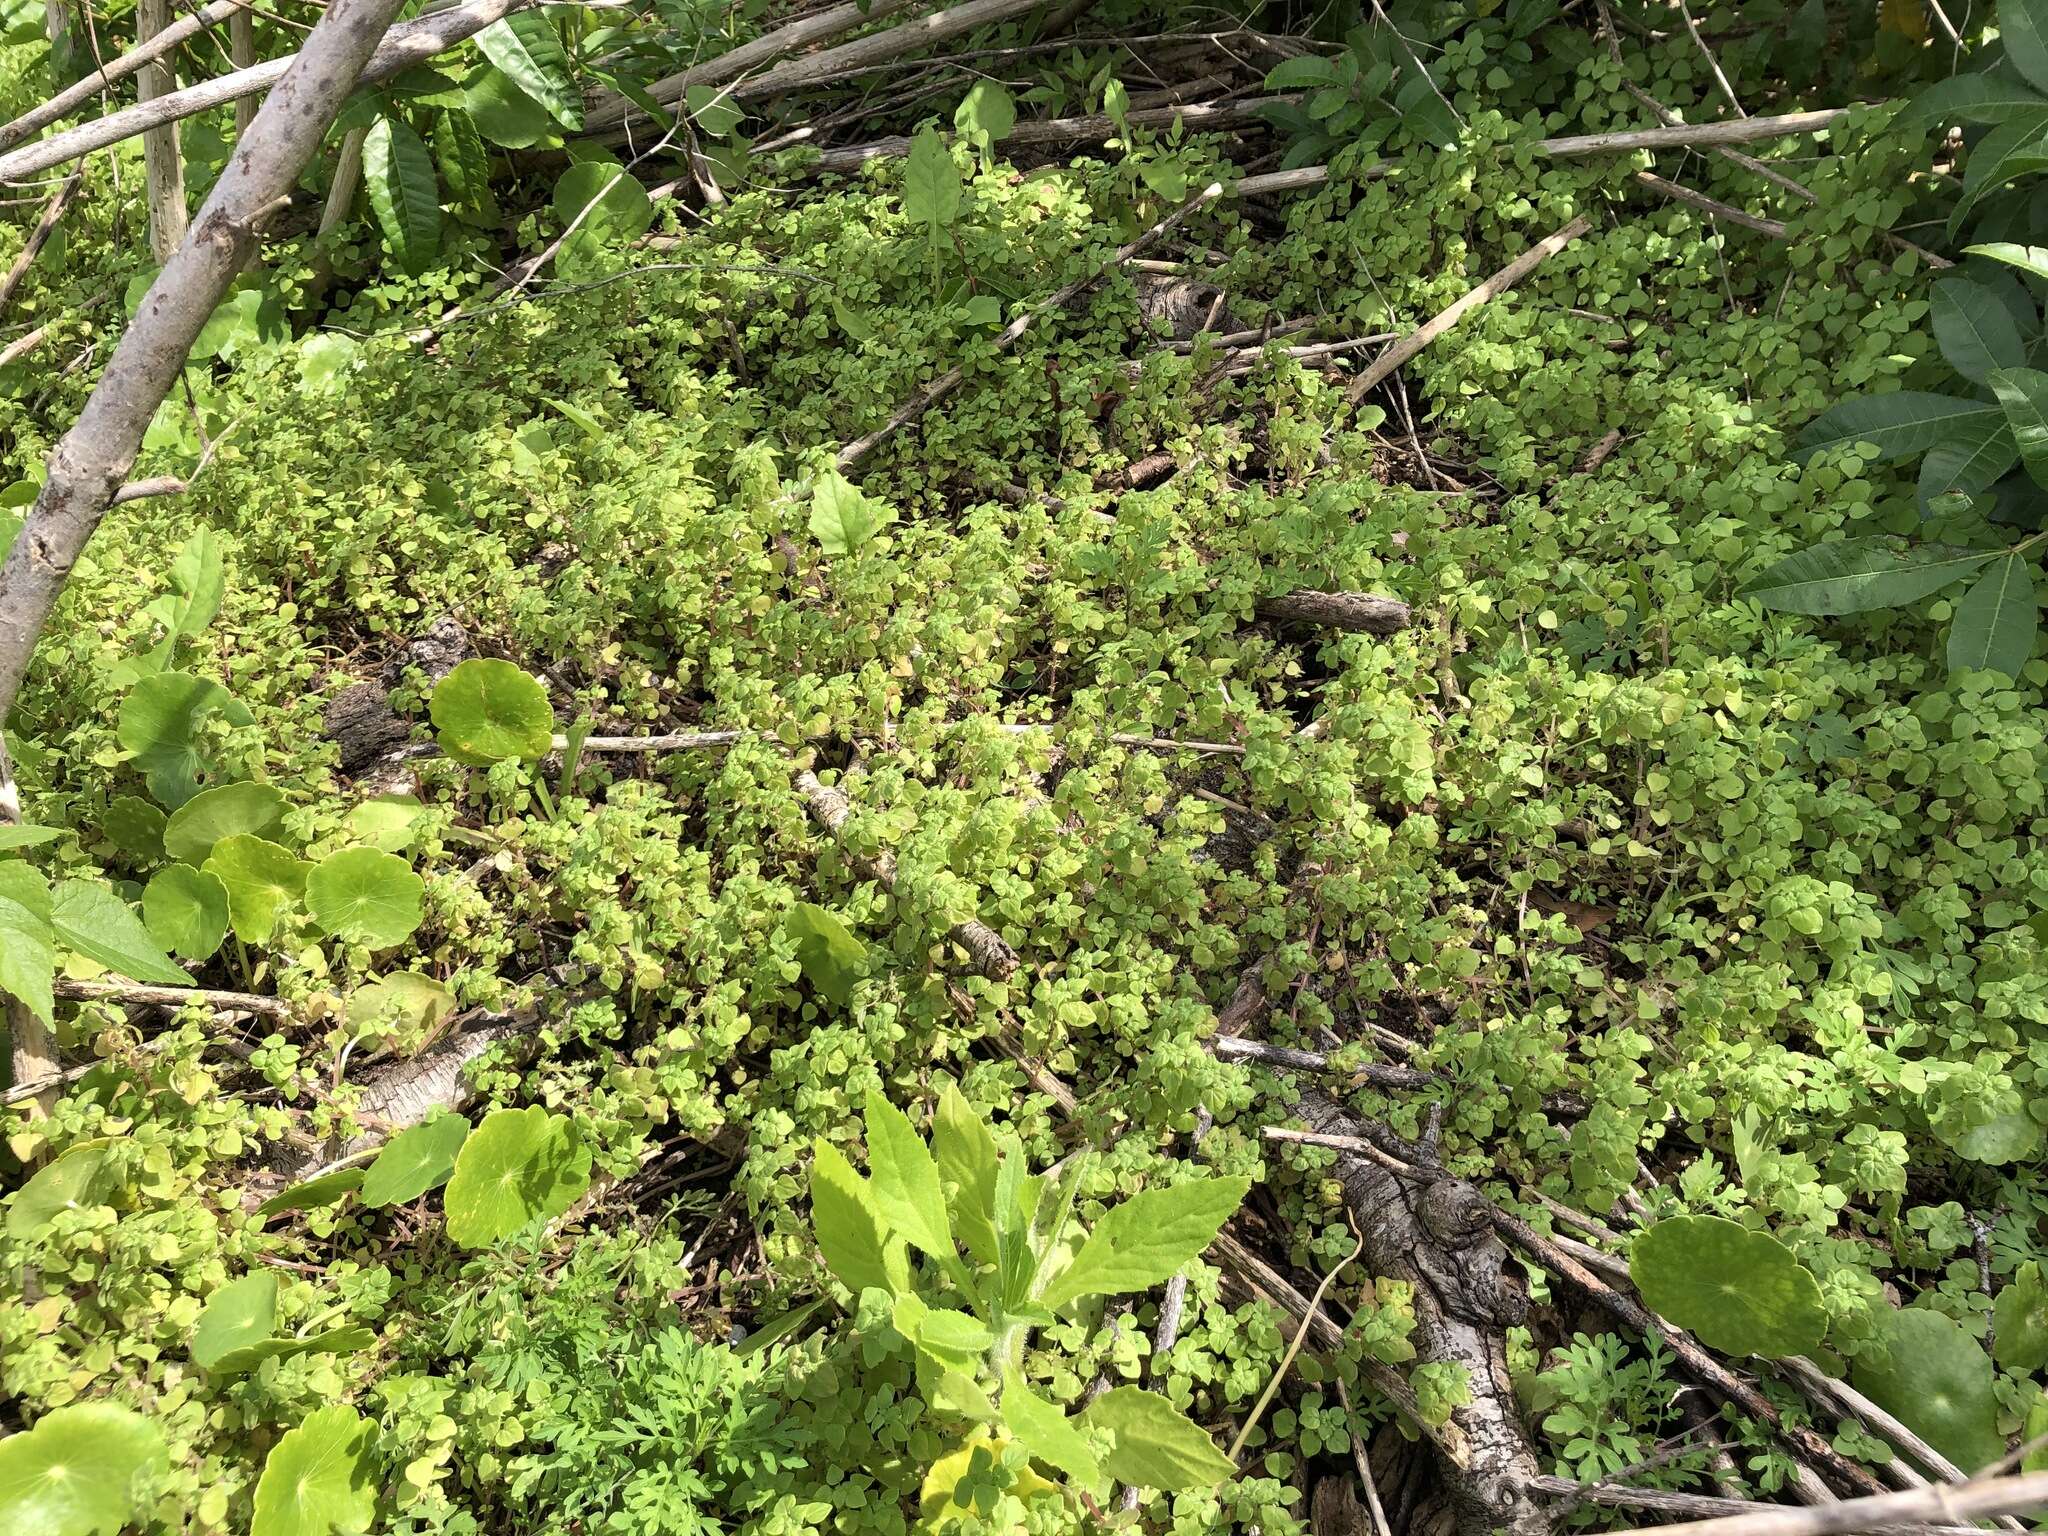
(526, 46)
(405, 192)
(1857, 575)
(1974, 329)
(1898, 425)
(1742, 1292)
(1996, 620)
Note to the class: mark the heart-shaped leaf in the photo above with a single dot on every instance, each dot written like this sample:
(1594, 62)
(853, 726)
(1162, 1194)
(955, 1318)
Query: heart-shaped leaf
(831, 957)
(76, 1181)
(486, 711)
(1742, 1292)
(362, 896)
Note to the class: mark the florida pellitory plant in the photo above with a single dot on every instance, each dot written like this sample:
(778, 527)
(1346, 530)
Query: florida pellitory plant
(1006, 1257)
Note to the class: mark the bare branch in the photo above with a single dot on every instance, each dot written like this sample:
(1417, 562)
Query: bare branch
(92, 460)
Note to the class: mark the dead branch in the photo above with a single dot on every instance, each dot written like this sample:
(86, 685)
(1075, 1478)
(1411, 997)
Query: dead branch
(1953, 1504)
(53, 212)
(172, 997)
(68, 100)
(91, 461)
(1357, 613)
(830, 808)
(1678, 193)
(1419, 339)
(163, 163)
(409, 43)
(1190, 118)
(1434, 1232)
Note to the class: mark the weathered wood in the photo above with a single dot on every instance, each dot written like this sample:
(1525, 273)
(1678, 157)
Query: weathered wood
(90, 462)
(163, 163)
(1435, 1232)
(1358, 613)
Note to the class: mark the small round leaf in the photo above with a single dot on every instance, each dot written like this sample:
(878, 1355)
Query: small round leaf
(186, 911)
(365, 897)
(1742, 1292)
(486, 711)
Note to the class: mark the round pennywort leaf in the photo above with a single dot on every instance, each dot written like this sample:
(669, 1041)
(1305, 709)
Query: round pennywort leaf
(85, 1470)
(363, 896)
(486, 711)
(1742, 1292)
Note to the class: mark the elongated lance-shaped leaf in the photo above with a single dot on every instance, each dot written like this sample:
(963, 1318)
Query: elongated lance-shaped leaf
(526, 46)
(1147, 1238)
(2023, 396)
(905, 1182)
(405, 192)
(1857, 575)
(1899, 425)
(1976, 331)
(1996, 620)
(2031, 259)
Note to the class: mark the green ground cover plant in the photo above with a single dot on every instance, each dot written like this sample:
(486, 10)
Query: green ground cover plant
(700, 874)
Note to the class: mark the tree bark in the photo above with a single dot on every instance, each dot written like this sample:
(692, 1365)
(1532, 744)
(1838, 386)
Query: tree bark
(1436, 1233)
(242, 54)
(163, 164)
(410, 43)
(1357, 613)
(92, 460)
(80, 92)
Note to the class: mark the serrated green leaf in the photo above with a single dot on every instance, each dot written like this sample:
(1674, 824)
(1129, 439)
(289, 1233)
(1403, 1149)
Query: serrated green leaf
(1857, 575)
(320, 1478)
(526, 46)
(1996, 620)
(28, 958)
(843, 517)
(1742, 1292)
(905, 1181)
(405, 192)
(847, 1223)
(966, 1155)
(1148, 1238)
(1043, 1430)
(1157, 1446)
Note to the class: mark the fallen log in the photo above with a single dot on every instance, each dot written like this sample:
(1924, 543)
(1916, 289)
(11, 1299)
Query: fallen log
(1434, 1232)
(1357, 613)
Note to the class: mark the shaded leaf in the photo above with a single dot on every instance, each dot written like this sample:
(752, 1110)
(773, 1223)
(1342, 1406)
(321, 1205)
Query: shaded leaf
(1937, 1381)
(529, 50)
(224, 811)
(1996, 620)
(1742, 1292)
(186, 911)
(1899, 425)
(1974, 328)
(415, 1161)
(1857, 575)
